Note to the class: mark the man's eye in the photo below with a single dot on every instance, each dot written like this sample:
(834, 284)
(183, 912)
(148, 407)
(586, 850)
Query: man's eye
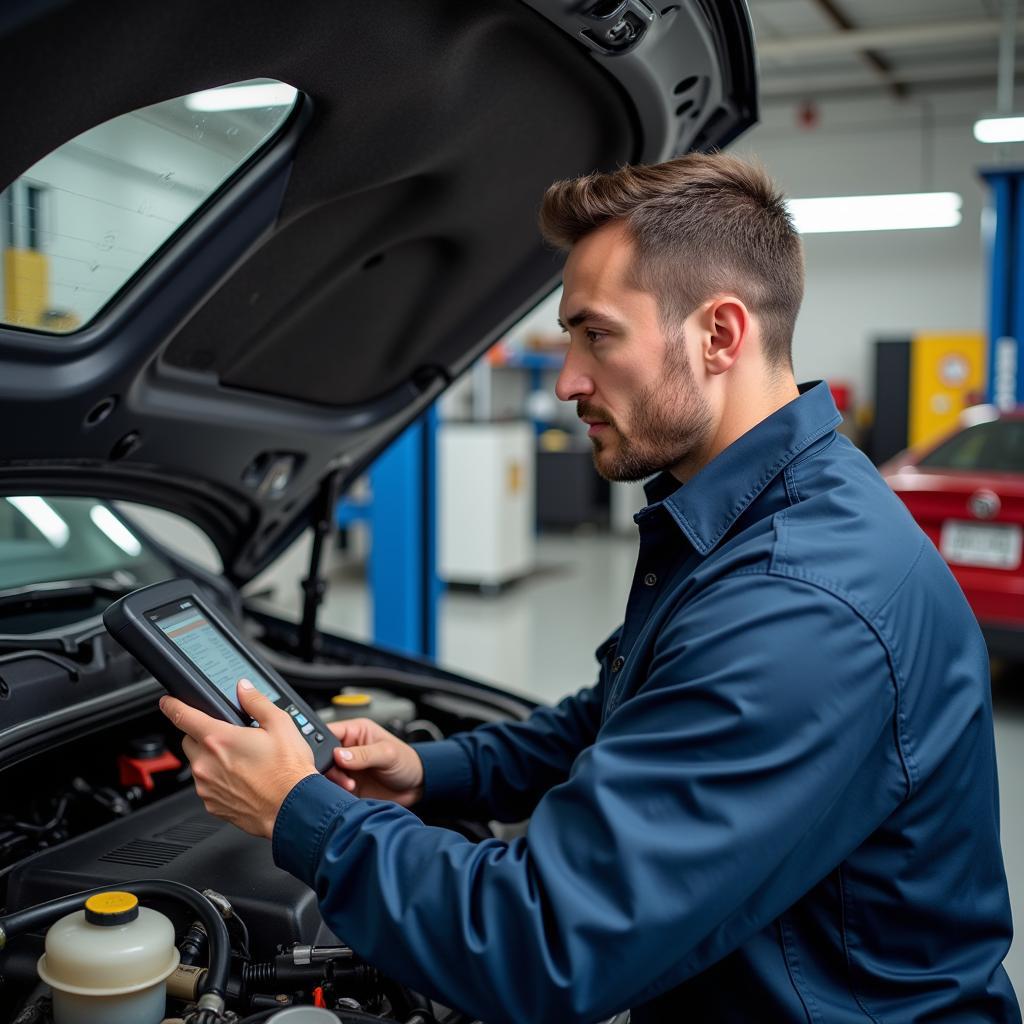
(593, 336)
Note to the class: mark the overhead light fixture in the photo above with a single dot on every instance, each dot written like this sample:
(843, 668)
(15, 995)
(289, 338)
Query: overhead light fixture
(1004, 126)
(876, 213)
(43, 517)
(243, 97)
(115, 530)
(1000, 129)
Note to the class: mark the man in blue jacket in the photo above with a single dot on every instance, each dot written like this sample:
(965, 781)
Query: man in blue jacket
(778, 803)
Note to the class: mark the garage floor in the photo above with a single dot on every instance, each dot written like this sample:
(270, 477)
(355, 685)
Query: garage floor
(538, 637)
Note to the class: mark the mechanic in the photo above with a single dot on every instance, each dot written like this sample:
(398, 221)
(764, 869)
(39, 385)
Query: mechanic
(778, 803)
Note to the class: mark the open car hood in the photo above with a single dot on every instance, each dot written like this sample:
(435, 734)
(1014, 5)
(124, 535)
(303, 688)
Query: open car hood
(349, 271)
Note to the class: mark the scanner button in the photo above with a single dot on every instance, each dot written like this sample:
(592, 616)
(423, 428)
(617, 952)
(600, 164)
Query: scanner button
(301, 719)
(319, 737)
(307, 729)
(292, 710)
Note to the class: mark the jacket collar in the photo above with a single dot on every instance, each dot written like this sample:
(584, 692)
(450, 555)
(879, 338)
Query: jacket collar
(706, 506)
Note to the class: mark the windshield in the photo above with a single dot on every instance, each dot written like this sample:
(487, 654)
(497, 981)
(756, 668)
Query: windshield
(996, 446)
(43, 540)
(78, 225)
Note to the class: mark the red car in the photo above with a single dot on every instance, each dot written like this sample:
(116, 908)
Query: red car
(967, 493)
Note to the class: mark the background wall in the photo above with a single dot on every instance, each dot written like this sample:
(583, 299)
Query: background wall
(863, 286)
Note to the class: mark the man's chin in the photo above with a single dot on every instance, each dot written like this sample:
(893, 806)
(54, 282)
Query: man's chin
(617, 475)
(613, 470)
(602, 463)
(609, 461)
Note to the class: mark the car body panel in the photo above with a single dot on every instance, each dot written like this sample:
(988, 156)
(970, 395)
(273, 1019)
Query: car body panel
(943, 499)
(347, 274)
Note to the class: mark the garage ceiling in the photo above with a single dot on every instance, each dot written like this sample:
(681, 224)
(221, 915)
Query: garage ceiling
(818, 49)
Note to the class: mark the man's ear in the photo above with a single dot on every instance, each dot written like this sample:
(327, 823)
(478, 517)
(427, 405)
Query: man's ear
(727, 323)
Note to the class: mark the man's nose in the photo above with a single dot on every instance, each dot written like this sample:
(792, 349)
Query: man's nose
(573, 381)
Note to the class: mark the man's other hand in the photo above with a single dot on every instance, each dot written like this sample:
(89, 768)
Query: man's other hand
(243, 775)
(373, 763)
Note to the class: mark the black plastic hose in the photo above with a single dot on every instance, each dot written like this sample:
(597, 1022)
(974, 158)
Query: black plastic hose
(193, 947)
(44, 914)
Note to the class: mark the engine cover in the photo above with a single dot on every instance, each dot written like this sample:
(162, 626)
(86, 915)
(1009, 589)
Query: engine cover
(176, 839)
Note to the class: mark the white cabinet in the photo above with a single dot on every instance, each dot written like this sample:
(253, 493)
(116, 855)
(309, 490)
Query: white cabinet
(485, 502)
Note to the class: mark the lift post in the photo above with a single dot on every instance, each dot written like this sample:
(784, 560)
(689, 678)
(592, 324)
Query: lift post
(404, 584)
(1006, 287)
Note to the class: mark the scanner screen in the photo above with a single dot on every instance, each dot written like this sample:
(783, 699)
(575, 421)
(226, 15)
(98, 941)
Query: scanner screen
(185, 624)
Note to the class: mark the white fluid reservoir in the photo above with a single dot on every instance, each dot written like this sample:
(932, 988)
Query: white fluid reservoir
(383, 707)
(109, 963)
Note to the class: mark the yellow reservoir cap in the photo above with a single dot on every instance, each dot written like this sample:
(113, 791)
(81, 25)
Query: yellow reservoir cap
(351, 700)
(112, 902)
(111, 908)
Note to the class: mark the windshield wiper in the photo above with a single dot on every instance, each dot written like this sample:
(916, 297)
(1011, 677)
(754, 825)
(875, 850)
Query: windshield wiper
(60, 593)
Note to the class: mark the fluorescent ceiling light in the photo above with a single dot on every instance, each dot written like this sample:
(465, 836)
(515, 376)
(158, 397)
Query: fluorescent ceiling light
(876, 213)
(115, 530)
(999, 129)
(42, 516)
(243, 97)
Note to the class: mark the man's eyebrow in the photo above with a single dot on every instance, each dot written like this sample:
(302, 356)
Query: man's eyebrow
(588, 314)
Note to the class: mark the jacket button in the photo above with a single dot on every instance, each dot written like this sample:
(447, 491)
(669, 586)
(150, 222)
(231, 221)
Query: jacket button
(618, 663)
(650, 579)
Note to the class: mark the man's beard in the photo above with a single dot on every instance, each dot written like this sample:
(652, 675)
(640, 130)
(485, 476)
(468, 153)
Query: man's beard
(670, 425)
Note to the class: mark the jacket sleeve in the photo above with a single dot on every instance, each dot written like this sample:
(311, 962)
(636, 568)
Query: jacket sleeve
(712, 799)
(500, 771)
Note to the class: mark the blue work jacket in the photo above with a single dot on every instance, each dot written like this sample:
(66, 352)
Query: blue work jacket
(777, 804)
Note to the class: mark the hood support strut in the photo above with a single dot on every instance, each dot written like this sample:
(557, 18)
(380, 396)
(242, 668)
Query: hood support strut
(314, 584)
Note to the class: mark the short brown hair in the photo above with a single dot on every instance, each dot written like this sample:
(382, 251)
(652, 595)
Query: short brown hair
(701, 224)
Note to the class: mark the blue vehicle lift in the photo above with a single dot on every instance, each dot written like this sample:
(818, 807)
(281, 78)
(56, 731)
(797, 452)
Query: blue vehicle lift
(402, 516)
(1006, 288)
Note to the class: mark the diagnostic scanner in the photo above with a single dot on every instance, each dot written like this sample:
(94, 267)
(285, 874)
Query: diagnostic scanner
(199, 658)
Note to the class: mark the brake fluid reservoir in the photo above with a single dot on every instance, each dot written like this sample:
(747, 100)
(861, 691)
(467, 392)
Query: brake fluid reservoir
(109, 963)
(379, 705)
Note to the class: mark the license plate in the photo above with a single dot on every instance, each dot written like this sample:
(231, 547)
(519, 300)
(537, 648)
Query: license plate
(991, 546)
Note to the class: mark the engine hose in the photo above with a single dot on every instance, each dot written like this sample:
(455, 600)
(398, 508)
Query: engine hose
(45, 914)
(194, 945)
(282, 974)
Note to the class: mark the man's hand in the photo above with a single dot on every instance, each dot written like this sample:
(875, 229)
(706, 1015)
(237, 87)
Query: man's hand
(243, 775)
(373, 763)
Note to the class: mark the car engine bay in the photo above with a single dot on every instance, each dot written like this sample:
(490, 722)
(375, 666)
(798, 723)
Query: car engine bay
(98, 799)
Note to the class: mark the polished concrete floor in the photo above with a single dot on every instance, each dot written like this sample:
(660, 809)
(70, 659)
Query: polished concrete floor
(538, 636)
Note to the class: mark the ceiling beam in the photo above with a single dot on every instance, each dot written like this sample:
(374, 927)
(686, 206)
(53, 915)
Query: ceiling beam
(809, 85)
(877, 64)
(896, 37)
